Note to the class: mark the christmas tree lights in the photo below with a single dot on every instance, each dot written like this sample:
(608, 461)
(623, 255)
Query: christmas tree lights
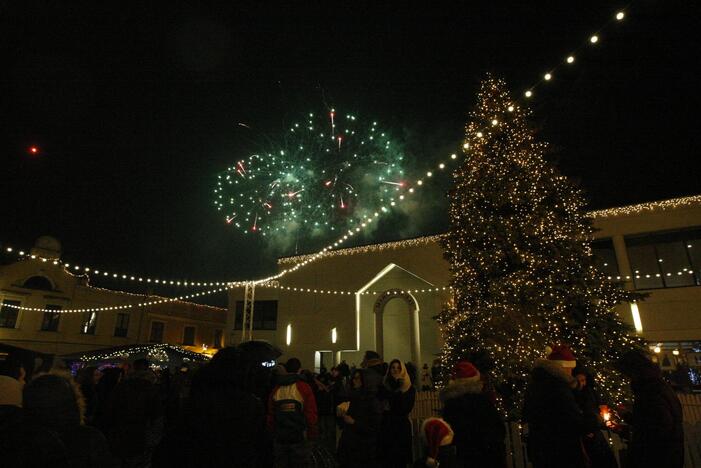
(523, 275)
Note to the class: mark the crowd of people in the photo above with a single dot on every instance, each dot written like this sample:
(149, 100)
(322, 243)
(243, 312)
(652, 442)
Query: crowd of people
(237, 411)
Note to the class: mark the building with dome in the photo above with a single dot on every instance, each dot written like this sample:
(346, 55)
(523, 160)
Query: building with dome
(40, 281)
(384, 296)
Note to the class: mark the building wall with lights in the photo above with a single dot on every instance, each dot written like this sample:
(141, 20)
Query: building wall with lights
(38, 283)
(653, 248)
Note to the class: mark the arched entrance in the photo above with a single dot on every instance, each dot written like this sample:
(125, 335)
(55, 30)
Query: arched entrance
(397, 326)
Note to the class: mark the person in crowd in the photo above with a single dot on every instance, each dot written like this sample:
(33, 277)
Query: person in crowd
(14, 365)
(426, 382)
(436, 371)
(322, 386)
(134, 419)
(376, 370)
(398, 396)
(88, 378)
(292, 417)
(658, 434)
(595, 444)
(556, 424)
(360, 419)
(437, 437)
(222, 421)
(53, 402)
(23, 445)
(111, 376)
(479, 430)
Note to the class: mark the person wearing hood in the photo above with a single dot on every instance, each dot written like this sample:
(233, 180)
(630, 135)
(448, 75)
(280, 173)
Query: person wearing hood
(292, 417)
(360, 418)
(479, 430)
(657, 430)
(376, 370)
(398, 397)
(556, 424)
(53, 402)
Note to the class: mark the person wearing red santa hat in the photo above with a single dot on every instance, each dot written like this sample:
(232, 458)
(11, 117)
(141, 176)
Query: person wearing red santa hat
(479, 430)
(437, 436)
(556, 424)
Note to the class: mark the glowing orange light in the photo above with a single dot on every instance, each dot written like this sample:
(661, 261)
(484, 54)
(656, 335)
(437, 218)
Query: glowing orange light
(33, 149)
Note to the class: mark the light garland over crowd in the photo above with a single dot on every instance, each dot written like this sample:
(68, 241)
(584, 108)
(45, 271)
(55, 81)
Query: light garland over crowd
(159, 349)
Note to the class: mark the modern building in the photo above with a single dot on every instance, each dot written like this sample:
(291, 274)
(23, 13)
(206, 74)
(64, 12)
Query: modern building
(384, 296)
(40, 281)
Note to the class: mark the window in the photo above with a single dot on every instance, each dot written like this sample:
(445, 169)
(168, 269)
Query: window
(189, 336)
(51, 318)
(121, 328)
(218, 339)
(8, 314)
(38, 282)
(665, 260)
(89, 323)
(264, 315)
(605, 258)
(156, 332)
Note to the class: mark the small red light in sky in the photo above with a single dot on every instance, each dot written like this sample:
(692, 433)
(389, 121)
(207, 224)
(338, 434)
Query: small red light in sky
(33, 150)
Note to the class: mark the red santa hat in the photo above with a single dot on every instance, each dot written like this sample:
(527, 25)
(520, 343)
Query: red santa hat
(465, 371)
(562, 355)
(436, 433)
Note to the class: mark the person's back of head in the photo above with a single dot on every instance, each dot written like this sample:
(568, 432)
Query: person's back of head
(293, 365)
(637, 365)
(53, 401)
(141, 365)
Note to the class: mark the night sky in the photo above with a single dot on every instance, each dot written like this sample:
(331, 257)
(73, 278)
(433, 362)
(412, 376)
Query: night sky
(134, 108)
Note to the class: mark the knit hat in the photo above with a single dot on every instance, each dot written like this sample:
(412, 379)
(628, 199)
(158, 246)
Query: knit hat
(562, 355)
(435, 433)
(10, 391)
(465, 371)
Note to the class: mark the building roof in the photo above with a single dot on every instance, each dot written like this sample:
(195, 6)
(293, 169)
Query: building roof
(661, 205)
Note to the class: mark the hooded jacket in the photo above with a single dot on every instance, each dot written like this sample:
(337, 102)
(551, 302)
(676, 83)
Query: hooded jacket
(292, 409)
(555, 421)
(357, 446)
(479, 430)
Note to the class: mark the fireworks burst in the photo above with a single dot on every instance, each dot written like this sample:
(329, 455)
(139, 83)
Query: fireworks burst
(327, 172)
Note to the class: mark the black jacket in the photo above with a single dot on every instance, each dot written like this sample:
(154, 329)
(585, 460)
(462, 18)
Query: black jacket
(479, 430)
(395, 435)
(658, 434)
(556, 424)
(358, 444)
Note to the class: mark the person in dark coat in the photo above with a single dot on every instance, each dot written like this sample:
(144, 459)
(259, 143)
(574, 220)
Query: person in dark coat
(53, 402)
(397, 396)
(223, 421)
(479, 430)
(376, 370)
(135, 416)
(88, 378)
(595, 444)
(657, 431)
(556, 424)
(360, 418)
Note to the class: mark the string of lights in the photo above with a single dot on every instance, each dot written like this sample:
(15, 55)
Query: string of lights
(159, 300)
(158, 351)
(301, 261)
(351, 293)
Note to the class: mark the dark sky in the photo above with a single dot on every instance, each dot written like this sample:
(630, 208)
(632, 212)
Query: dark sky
(134, 107)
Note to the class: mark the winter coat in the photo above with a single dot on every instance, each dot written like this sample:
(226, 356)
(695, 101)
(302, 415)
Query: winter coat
(358, 444)
(394, 448)
(556, 424)
(290, 387)
(479, 430)
(658, 434)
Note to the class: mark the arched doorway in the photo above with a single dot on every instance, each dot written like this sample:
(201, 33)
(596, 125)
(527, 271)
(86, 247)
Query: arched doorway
(397, 326)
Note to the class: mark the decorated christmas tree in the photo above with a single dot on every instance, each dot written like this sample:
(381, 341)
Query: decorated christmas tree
(519, 247)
